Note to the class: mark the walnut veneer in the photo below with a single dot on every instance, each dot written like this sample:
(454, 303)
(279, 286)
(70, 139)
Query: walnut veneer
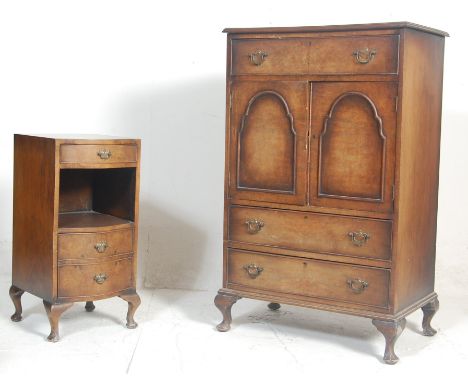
(332, 156)
(75, 222)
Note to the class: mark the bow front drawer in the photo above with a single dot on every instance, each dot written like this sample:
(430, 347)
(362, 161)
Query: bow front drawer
(95, 280)
(327, 55)
(94, 245)
(312, 278)
(82, 155)
(322, 233)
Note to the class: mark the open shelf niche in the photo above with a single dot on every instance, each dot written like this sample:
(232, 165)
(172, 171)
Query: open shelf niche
(96, 198)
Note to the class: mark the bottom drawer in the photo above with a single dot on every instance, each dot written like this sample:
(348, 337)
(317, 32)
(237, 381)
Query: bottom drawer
(95, 279)
(313, 278)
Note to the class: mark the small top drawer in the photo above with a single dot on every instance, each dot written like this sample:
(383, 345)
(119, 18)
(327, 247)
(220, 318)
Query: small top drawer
(328, 55)
(97, 154)
(322, 233)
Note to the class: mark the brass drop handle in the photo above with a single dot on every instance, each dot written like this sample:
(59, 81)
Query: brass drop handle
(357, 285)
(359, 238)
(258, 57)
(253, 270)
(364, 56)
(101, 246)
(254, 226)
(104, 153)
(100, 278)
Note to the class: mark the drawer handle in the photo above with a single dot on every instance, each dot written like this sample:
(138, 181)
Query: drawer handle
(364, 56)
(104, 154)
(254, 226)
(257, 58)
(101, 246)
(357, 285)
(100, 278)
(253, 270)
(359, 238)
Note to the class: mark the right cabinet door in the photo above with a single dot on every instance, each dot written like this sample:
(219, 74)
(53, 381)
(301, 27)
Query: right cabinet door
(353, 145)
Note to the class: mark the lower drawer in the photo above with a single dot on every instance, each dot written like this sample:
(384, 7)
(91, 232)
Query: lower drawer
(95, 279)
(313, 278)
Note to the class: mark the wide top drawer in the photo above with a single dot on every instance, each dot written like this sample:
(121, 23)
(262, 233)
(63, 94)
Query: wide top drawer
(328, 55)
(82, 155)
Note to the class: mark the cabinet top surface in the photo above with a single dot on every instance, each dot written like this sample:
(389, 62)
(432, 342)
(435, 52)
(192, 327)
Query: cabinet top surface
(339, 28)
(78, 137)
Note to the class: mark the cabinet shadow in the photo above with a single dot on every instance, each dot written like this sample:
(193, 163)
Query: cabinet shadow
(171, 251)
(181, 125)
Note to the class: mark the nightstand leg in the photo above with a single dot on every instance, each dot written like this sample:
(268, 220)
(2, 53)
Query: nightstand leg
(224, 303)
(133, 303)
(15, 295)
(90, 306)
(391, 330)
(54, 311)
(274, 306)
(429, 310)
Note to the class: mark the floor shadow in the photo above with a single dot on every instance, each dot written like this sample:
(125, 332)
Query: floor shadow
(35, 317)
(315, 326)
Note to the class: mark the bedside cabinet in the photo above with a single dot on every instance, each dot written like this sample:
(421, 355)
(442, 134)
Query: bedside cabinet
(332, 156)
(75, 222)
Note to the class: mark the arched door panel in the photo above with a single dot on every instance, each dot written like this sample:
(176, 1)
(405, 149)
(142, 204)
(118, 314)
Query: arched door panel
(268, 131)
(354, 145)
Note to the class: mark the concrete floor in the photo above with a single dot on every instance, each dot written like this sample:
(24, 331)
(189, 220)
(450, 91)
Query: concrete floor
(176, 340)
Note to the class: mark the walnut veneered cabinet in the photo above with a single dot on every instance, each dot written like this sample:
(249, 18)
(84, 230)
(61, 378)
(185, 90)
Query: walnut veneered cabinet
(75, 222)
(332, 156)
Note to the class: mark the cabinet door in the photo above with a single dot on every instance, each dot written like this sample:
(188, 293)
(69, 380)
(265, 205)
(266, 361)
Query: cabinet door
(268, 146)
(353, 145)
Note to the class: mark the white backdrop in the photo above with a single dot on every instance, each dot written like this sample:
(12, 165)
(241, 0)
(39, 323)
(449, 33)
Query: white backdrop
(155, 70)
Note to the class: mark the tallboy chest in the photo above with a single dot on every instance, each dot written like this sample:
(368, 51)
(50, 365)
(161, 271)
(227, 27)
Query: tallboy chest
(325, 170)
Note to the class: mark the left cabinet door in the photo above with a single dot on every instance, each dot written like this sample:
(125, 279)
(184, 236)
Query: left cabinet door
(268, 141)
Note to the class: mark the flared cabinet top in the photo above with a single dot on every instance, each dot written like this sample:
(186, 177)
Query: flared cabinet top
(338, 28)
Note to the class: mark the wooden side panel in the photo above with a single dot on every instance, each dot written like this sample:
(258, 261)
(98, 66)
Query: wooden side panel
(417, 167)
(136, 211)
(33, 216)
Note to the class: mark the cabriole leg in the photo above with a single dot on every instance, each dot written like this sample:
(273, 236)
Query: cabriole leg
(54, 311)
(391, 330)
(15, 295)
(134, 302)
(224, 303)
(429, 310)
